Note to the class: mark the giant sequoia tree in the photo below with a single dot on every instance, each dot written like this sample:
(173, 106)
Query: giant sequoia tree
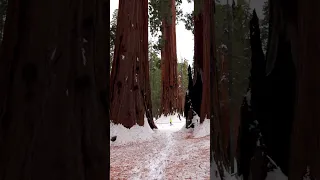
(163, 15)
(202, 54)
(217, 133)
(54, 90)
(169, 98)
(130, 86)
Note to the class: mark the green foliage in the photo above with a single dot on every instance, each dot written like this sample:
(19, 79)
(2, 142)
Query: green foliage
(188, 17)
(239, 64)
(188, 21)
(160, 10)
(183, 72)
(155, 79)
(241, 53)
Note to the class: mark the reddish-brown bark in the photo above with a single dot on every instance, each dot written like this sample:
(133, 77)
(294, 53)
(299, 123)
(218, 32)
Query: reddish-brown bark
(202, 55)
(169, 89)
(130, 86)
(54, 91)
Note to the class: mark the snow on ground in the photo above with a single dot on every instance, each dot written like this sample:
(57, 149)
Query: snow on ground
(163, 123)
(172, 152)
(216, 175)
(202, 130)
(135, 134)
(276, 175)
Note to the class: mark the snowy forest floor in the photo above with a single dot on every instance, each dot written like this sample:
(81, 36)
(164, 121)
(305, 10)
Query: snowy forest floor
(170, 152)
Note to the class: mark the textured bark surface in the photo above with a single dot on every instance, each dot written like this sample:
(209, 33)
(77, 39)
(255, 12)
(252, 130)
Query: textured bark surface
(54, 91)
(130, 86)
(202, 56)
(217, 134)
(205, 64)
(169, 90)
(305, 134)
(224, 101)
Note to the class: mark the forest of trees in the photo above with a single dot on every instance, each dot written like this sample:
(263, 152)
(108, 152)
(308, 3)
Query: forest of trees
(255, 79)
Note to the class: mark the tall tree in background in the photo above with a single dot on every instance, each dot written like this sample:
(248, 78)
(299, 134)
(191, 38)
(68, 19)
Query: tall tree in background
(130, 86)
(169, 98)
(155, 79)
(163, 17)
(54, 90)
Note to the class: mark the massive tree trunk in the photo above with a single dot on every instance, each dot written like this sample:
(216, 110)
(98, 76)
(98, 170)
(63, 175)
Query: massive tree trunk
(54, 91)
(205, 64)
(217, 134)
(169, 90)
(130, 86)
(305, 133)
(202, 57)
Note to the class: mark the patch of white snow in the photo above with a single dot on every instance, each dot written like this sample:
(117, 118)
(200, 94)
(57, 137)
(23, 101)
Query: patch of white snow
(202, 130)
(134, 134)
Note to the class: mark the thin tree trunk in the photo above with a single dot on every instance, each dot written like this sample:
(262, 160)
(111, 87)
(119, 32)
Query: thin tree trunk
(54, 95)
